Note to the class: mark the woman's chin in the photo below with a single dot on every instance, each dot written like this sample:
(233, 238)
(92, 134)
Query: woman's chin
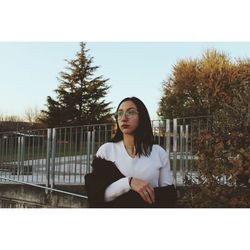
(127, 131)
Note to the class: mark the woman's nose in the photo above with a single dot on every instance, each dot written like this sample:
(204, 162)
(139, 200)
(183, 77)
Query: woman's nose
(124, 117)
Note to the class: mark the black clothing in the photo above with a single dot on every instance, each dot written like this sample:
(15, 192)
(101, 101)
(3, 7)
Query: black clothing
(105, 173)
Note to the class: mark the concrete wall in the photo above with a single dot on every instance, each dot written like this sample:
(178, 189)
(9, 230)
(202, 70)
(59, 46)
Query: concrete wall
(24, 196)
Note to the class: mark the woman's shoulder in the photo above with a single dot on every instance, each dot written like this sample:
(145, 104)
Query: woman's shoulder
(106, 149)
(160, 152)
(106, 146)
(159, 149)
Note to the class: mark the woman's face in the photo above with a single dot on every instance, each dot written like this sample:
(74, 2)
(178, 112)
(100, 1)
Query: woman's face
(128, 117)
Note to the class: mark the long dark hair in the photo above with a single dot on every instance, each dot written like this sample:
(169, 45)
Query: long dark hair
(144, 139)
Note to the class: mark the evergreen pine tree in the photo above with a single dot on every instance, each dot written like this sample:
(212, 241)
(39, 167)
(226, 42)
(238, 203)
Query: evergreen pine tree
(80, 95)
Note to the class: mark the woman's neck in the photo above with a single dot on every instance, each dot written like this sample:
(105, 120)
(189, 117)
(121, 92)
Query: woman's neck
(129, 143)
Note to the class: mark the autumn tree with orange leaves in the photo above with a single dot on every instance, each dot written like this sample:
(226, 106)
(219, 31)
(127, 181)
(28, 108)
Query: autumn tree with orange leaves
(219, 86)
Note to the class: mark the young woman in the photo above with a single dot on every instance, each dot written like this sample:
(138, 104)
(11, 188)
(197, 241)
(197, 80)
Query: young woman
(131, 171)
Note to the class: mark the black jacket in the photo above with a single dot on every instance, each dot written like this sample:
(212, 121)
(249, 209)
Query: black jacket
(104, 173)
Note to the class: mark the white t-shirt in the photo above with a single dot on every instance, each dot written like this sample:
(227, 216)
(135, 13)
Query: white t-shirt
(155, 168)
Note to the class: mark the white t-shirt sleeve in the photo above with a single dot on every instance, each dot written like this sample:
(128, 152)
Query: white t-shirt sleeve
(165, 177)
(117, 188)
(101, 152)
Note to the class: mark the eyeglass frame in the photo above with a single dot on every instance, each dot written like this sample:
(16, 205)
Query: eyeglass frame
(126, 113)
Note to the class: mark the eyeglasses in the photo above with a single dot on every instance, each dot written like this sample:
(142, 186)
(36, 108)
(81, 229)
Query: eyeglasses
(129, 113)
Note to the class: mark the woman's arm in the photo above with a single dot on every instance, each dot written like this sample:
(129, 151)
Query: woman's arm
(116, 189)
(122, 186)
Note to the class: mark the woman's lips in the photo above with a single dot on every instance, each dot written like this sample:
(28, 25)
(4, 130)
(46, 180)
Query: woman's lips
(124, 126)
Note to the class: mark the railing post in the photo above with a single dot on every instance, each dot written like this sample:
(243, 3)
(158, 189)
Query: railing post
(105, 133)
(53, 154)
(159, 132)
(92, 147)
(175, 150)
(186, 149)
(181, 151)
(88, 150)
(167, 134)
(48, 159)
(20, 157)
(22, 154)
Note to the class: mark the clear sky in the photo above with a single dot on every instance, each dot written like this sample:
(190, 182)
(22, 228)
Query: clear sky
(29, 70)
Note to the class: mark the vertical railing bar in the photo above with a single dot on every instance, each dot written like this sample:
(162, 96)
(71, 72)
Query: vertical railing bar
(27, 155)
(44, 169)
(175, 150)
(53, 158)
(64, 152)
(44, 154)
(7, 158)
(40, 158)
(15, 166)
(70, 153)
(105, 132)
(1, 161)
(99, 136)
(25, 151)
(33, 156)
(186, 149)
(167, 134)
(159, 131)
(191, 147)
(37, 157)
(6, 155)
(59, 155)
(11, 154)
(88, 150)
(92, 147)
(76, 154)
(1, 157)
(13, 157)
(43, 162)
(48, 158)
(181, 151)
(81, 153)
(84, 152)
(22, 155)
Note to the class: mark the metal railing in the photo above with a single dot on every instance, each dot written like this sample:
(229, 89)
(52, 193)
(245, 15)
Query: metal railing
(51, 156)
(46, 188)
(63, 155)
(178, 136)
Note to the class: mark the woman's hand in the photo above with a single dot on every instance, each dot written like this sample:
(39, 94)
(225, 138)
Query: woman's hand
(144, 189)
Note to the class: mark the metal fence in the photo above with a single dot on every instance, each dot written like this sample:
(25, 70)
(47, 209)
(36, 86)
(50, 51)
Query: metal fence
(64, 155)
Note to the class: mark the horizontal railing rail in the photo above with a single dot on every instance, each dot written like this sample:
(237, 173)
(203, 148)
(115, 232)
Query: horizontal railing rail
(44, 187)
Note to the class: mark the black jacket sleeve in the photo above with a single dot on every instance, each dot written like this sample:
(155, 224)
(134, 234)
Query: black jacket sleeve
(104, 173)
